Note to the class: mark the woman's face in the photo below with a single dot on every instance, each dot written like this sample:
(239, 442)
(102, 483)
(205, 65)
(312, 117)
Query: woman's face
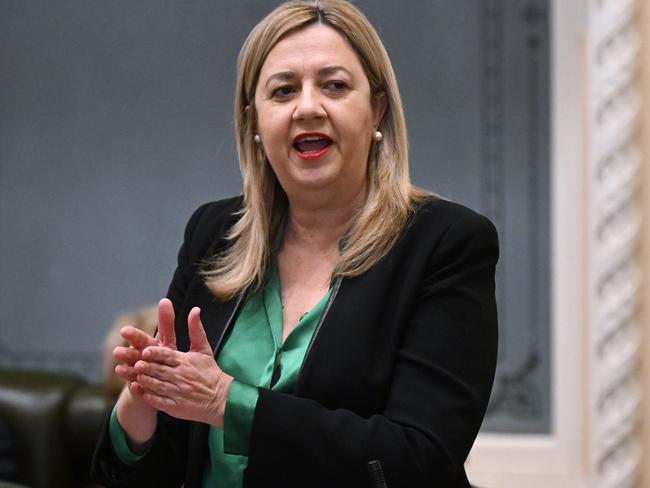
(315, 117)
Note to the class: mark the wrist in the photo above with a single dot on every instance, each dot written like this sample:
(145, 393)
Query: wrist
(223, 387)
(137, 419)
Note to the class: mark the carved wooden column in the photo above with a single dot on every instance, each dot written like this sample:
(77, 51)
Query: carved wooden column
(614, 232)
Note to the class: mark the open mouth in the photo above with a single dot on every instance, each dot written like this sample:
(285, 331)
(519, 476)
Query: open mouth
(312, 145)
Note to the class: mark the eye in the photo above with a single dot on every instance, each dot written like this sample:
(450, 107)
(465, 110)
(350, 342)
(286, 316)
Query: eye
(283, 91)
(336, 86)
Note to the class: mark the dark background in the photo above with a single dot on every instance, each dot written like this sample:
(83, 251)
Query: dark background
(115, 124)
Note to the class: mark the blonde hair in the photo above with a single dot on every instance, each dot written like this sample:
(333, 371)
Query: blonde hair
(390, 196)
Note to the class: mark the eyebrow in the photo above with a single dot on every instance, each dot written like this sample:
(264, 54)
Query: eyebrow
(330, 70)
(322, 72)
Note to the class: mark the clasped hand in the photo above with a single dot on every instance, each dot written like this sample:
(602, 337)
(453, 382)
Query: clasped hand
(186, 385)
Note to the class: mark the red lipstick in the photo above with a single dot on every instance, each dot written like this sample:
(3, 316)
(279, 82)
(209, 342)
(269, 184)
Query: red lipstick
(312, 145)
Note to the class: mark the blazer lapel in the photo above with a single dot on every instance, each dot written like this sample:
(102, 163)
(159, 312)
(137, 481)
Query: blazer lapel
(217, 317)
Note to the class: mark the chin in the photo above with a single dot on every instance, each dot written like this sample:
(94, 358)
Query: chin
(315, 178)
(313, 185)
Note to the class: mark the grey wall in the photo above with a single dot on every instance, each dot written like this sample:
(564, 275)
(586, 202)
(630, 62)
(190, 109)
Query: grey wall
(115, 123)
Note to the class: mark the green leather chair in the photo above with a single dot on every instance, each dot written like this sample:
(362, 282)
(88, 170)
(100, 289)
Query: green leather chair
(53, 421)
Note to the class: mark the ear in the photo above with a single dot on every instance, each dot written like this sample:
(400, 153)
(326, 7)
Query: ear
(247, 113)
(381, 102)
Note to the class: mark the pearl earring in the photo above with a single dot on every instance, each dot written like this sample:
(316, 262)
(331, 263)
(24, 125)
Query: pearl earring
(377, 136)
(257, 138)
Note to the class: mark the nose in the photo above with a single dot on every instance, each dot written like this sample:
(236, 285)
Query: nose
(309, 105)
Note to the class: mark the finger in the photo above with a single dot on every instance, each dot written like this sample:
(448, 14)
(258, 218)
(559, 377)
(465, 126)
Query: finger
(126, 355)
(136, 337)
(127, 373)
(156, 386)
(163, 355)
(198, 339)
(156, 370)
(136, 388)
(166, 333)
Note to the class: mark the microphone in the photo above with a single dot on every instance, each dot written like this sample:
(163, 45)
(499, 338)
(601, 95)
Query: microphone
(376, 474)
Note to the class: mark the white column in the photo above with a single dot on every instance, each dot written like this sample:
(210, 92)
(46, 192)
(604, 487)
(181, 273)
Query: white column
(614, 267)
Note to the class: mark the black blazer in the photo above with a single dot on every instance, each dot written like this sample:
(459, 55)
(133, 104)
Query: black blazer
(399, 370)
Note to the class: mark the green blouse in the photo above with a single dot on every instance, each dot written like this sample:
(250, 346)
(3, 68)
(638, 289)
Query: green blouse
(255, 356)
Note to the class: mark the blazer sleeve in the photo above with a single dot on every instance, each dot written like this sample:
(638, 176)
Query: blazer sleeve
(441, 384)
(164, 464)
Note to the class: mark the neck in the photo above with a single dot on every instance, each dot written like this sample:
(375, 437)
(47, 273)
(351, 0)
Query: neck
(321, 226)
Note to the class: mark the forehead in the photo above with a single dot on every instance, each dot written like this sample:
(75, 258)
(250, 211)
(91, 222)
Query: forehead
(309, 49)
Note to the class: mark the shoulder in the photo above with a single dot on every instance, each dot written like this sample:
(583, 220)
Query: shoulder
(209, 223)
(215, 213)
(438, 223)
(445, 215)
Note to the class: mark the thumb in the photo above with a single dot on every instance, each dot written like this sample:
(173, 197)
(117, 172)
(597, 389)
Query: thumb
(166, 332)
(198, 339)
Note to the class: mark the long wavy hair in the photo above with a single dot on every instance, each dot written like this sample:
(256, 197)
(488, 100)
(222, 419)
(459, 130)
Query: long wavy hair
(390, 196)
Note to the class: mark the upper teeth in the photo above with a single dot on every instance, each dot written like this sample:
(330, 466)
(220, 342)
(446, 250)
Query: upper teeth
(310, 138)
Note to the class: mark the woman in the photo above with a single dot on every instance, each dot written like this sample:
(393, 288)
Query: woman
(333, 327)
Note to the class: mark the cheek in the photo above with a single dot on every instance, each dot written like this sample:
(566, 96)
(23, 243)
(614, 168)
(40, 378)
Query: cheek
(272, 124)
(358, 128)
(359, 117)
